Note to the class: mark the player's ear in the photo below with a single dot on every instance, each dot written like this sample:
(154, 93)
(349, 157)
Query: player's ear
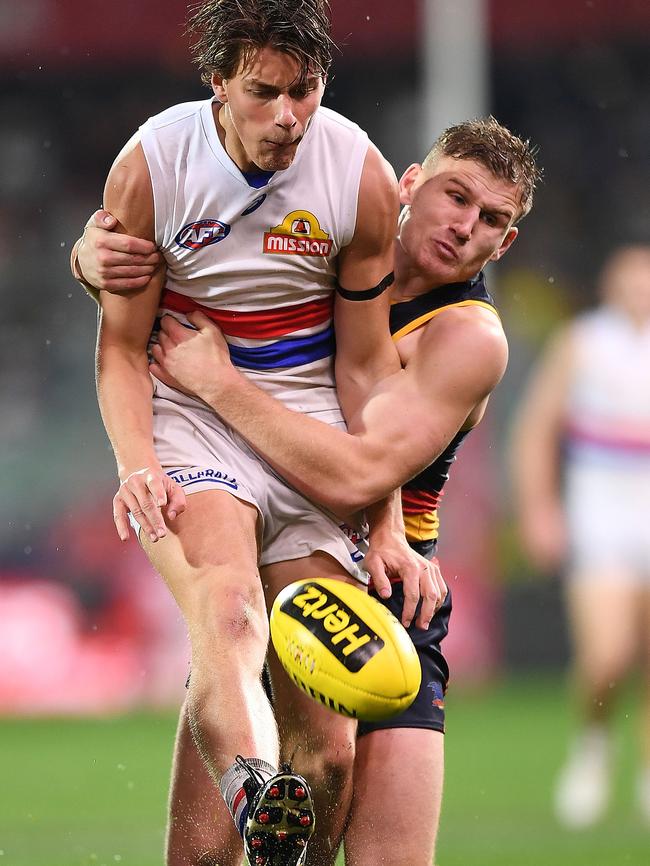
(406, 182)
(506, 243)
(219, 87)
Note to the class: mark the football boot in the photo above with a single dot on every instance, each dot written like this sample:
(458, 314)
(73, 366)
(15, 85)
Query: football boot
(280, 817)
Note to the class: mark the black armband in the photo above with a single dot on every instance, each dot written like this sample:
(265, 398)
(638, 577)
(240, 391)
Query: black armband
(367, 294)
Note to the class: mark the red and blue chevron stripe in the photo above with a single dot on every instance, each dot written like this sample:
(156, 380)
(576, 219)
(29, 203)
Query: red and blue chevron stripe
(285, 353)
(267, 325)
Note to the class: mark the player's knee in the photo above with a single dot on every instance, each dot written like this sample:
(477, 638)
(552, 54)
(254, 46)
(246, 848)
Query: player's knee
(335, 779)
(336, 773)
(233, 614)
(329, 767)
(242, 615)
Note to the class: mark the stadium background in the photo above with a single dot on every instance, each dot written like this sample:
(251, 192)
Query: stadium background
(87, 633)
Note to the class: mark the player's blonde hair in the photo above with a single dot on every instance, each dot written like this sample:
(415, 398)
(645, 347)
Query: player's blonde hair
(493, 145)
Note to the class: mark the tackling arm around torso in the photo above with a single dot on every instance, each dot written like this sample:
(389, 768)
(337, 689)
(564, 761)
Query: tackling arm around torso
(365, 353)
(404, 424)
(451, 365)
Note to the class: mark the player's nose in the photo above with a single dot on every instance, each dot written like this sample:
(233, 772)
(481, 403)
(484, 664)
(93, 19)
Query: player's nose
(285, 116)
(465, 222)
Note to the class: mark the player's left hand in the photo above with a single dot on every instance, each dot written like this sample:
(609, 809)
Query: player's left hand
(194, 360)
(113, 261)
(393, 558)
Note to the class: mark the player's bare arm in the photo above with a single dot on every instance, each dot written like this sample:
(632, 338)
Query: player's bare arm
(365, 356)
(365, 353)
(406, 422)
(123, 380)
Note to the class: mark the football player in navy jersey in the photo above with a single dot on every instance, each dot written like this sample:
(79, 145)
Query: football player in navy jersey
(461, 206)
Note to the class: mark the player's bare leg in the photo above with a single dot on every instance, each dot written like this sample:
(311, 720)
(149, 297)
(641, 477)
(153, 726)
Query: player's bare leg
(200, 831)
(604, 650)
(198, 815)
(398, 776)
(209, 562)
(317, 740)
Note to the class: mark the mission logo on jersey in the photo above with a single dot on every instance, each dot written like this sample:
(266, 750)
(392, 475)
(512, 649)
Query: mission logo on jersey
(202, 233)
(299, 234)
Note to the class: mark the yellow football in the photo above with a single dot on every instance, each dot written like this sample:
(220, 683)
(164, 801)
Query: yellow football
(345, 649)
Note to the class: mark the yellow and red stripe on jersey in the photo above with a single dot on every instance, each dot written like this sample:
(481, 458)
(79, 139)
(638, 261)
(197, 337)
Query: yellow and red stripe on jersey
(420, 510)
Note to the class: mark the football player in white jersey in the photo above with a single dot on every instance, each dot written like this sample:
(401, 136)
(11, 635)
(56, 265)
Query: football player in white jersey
(581, 464)
(266, 61)
(460, 209)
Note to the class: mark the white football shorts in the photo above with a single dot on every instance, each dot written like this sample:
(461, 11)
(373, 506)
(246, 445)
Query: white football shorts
(608, 514)
(200, 452)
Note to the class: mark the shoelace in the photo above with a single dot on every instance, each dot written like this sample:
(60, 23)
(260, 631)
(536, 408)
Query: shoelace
(255, 775)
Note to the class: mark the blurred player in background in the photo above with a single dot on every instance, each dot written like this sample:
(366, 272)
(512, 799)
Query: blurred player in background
(581, 460)
(460, 209)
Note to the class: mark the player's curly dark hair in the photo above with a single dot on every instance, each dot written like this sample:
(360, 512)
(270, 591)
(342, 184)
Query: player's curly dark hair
(228, 32)
(502, 152)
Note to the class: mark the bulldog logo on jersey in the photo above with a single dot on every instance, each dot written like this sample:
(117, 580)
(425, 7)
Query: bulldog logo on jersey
(299, 234)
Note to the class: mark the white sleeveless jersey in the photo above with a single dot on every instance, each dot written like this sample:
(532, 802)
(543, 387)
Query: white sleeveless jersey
(261, 262)
(608, 410)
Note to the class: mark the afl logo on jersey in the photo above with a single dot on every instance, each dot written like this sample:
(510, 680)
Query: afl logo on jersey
(299, 234)
(202, 233)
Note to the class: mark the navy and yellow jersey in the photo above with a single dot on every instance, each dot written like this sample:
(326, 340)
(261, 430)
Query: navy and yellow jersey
(421, 495)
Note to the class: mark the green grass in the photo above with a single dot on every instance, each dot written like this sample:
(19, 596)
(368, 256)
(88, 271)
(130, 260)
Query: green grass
(93, 792)
(84, 792)
(503, 751)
